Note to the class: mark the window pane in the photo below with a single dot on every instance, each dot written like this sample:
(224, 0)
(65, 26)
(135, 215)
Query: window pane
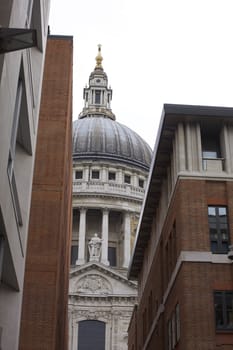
(111, 175)
(229, 309)
(97, 96)
(112, 256)
(74, 254)
(78, 174)
(218, 305)
(218, 229)
(127, 179)
(211, 211)
(222, 211)
(141, 183)
(95, 174)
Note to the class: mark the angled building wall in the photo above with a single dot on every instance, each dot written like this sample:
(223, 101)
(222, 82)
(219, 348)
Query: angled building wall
(20, 90)
(182, 257)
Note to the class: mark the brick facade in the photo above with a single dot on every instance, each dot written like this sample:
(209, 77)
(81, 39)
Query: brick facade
(179, 273)
(44, 316)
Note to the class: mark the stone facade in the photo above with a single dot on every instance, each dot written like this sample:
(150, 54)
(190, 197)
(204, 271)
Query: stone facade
(110, 168)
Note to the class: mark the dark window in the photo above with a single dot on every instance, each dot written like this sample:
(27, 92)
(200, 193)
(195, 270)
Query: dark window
(210, 143)
(20, 140)
(173, 328)
(223, 304)
(78, 174)
(74, 254)
(97, 96)
(111, 175)
(127, 179)
(141, 183)
(112, 256)
(95, 174)
(218, 228)
(91, 335)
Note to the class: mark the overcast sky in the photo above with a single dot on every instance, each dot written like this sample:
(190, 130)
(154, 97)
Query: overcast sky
(155, 52)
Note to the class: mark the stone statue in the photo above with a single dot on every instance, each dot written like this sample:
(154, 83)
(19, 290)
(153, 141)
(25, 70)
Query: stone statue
(94, 247)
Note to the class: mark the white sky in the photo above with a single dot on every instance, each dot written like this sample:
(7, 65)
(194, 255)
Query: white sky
(155, 52)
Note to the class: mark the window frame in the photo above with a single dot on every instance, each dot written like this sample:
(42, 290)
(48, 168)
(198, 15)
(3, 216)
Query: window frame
(127, 179)
(78, 172)
(113, 175)
(218, 225)
(223, 309)
(95, 171)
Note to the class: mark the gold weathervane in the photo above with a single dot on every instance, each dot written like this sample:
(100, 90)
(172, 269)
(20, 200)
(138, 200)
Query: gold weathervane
(99, 58)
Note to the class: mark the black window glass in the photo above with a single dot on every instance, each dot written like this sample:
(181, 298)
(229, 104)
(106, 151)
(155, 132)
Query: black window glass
(78, 174)
(223, 304)
(95, 174)
(111, 175)
(74, 254)
(141, 183)
(127, 179)
(91, 335)
(112, 256)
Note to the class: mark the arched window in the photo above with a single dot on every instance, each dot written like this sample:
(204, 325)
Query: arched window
(91, 335)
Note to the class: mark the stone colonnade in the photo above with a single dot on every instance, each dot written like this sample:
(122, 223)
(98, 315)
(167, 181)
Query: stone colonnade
(105, 232)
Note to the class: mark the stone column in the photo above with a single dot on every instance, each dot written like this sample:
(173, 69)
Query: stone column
(181, 147)
(127, 233)
(104, 252)
(82, 236)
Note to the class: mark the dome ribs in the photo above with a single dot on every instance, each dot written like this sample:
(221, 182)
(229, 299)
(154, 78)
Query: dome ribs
(103, 138)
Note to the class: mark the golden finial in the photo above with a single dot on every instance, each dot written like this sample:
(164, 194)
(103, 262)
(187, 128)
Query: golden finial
(99, 58)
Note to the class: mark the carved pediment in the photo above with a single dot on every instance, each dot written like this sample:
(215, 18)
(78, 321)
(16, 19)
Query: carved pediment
(93, 284)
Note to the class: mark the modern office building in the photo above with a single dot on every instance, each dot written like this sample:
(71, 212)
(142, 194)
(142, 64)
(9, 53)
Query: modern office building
(23, 24)
(182, 257)
(110, 169)
(44, 322)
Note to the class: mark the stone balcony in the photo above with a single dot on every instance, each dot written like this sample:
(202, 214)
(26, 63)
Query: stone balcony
(108, 188)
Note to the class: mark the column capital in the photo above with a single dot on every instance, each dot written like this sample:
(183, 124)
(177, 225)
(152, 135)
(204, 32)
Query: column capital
(82, 209)
(105, 210)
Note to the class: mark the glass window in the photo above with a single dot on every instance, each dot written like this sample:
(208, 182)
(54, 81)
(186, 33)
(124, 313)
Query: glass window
(112, 175)
(97, 96)
(91, 335)
(218, 229)
(78, 174)
(112, 256)
(95, 174)
(141, 183)
(127, 179)
(210, 143)
(223, 304)
(74, 255)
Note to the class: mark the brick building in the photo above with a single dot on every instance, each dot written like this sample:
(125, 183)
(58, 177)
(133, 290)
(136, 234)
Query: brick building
(44, 323)
(182, 257)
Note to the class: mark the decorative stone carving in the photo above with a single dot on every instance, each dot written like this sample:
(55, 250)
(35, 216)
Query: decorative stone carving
(93, 284)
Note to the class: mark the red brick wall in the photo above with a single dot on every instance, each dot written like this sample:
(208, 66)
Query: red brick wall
(194, 285)
(44, 323)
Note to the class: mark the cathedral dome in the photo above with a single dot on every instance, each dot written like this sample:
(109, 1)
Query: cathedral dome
(97, 135)
(100, 137)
